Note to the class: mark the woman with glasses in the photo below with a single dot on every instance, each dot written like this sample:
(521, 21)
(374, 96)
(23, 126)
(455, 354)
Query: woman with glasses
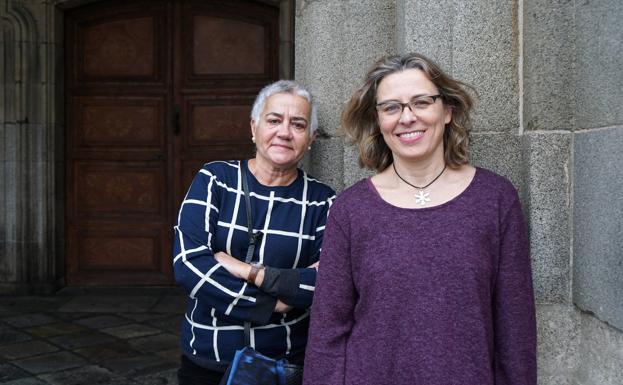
(426, 269)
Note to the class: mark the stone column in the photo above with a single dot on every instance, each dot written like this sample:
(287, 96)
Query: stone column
(336, 42)
(28, 170)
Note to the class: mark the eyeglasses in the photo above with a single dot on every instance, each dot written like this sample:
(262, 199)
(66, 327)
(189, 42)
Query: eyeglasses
(394, 109)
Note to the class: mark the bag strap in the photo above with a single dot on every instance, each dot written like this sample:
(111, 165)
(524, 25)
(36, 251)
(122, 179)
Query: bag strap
(252, 238)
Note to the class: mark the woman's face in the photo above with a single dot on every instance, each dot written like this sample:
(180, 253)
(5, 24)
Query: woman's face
(413, 132)
(282, 132)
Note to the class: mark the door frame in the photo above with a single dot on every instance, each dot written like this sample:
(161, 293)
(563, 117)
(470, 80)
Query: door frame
(286, 71)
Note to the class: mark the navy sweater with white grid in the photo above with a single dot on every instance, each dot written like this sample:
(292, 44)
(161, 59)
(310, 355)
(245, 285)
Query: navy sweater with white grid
(212, 218)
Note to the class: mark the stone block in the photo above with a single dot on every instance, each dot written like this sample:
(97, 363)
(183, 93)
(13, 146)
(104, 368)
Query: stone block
(84, 375)
(548, 203)
(55, 329)
(482, 54)
(10, 373)
(599, 87)
(108, 304)
(53, 362)
(485, 55)
(327, 163)
(83, 339)
(103, 321)
(500, 153)
(433, 41)
(130, 331)
(153, 344)
(26, 349)
(598, 220)
(548, 65)
(602, 353)
(352, 171)
(29, 320)
(558, 348)
(336, 42)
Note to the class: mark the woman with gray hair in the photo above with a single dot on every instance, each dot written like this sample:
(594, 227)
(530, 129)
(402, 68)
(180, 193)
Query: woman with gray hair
(288, 209)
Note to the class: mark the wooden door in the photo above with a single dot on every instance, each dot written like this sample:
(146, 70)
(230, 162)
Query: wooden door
(153, 90)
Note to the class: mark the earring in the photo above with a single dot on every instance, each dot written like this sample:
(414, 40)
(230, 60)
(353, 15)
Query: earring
(253, 139)
(309, 147)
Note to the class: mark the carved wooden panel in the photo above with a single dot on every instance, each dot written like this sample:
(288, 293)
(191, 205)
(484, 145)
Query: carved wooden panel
(117, 41)
(120, 122)
(118, 48)
(106, 250)
(112, 189)
(230, 44)
(213, 124)
(238, 50)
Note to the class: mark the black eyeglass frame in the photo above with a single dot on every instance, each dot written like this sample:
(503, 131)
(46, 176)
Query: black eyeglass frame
(408, 104)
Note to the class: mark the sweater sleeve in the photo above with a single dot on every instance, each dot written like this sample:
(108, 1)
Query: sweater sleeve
(513, 305)
(296, 287)
(332, 311)
(198, 272)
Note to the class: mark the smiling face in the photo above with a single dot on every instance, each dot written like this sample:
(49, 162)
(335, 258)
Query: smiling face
(282, 132)
(416, 133)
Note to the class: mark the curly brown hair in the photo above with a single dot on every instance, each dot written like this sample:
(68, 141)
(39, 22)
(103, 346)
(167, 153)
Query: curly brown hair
(360, 120)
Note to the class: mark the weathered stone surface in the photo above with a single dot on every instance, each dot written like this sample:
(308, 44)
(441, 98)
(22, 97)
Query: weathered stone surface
(599, 88)
(598, 224)
(501, 153)
(78, 340)
(336, 42)
(50, 362)
(26, 349)
(438, 17)
(9, 372)
(483, 54)
(92, 375)
(352, 171)
(28, 320)
(131, 331)
(548, 205)
(602, 355)
(103, 321)
(548, 67)
(155, 343)
(327, 163)
(108, 304)
(558, 344)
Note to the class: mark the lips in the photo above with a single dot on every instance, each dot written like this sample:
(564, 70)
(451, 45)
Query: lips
(410, 134)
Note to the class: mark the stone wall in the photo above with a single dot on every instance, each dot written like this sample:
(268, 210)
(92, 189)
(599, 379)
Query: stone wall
(548, 116)
(29, 144)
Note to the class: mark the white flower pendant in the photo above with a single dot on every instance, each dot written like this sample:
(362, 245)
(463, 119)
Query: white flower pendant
(422, 197)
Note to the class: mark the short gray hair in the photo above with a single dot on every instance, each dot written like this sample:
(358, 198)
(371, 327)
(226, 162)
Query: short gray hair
(284, 87)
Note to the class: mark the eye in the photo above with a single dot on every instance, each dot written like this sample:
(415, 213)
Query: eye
(273, 121)
(421, 102)
(299, 126)
(390, 108)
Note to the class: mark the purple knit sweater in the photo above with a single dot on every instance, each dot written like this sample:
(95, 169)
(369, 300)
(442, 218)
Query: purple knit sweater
(431, 296)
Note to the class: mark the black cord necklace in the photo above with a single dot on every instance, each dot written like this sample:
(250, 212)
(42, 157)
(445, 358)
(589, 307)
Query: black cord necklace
(421, 196)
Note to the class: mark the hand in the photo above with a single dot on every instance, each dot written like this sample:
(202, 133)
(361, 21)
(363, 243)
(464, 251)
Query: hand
(235, 267)
(314, 266)
(281, 307)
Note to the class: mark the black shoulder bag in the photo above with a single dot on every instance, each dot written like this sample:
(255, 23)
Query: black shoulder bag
(249, 367)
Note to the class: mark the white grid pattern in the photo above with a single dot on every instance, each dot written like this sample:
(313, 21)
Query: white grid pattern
(213, 183)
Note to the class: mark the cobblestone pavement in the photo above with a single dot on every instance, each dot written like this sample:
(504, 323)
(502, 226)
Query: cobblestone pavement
(91, 336)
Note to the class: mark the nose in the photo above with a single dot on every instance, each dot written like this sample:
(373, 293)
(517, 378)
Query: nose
(284, 130)
(407, 115)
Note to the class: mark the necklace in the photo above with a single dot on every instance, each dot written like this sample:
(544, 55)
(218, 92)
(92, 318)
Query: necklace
(421, 197)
